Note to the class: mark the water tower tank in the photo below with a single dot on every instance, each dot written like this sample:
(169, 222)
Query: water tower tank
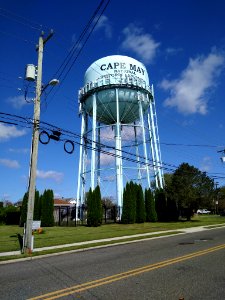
(126, 74)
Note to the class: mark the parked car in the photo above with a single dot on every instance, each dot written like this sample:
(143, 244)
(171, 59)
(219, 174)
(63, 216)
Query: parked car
(203, 211)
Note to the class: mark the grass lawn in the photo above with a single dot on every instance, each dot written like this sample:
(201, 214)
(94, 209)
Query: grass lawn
(66, 235)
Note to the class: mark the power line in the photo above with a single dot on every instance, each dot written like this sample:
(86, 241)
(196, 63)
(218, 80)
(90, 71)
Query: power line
(17, 37)
(190, 145)
(76, 45)
(79, 45)
(96, 20)
(28, 123)
(19, 19)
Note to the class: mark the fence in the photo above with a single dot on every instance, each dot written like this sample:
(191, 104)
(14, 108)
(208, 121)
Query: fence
(75, 216)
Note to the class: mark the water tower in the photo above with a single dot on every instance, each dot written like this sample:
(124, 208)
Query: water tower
(118, 126)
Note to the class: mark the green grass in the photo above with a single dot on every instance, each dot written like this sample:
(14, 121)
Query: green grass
(65, 235)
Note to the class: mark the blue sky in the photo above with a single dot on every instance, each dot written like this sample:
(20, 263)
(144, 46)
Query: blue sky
(181, 43)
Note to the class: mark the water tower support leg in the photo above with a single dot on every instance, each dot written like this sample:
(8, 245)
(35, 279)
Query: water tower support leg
(99, 157)
(144, 142)
(119, 174)
(137, 154)
(84, 162)
(152, 149)
(156, 141)
(80, 163)
(93, 151)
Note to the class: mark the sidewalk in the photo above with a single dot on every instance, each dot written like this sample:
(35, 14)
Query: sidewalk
(131, 237)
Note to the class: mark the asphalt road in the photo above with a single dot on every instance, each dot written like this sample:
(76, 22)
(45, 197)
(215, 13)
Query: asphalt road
(190, 266)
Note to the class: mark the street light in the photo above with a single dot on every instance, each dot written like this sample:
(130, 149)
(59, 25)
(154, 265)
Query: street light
(52, 82)
(28, 240)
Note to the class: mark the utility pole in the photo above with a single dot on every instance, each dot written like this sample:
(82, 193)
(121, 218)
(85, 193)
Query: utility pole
(34, 148)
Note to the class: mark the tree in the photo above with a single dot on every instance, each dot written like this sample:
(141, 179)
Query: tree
(90, 208)
(191, 189)
(129, 205)
(47, 209)
(37, 206)
(160, 204)
(23, 216)
(140, 205)
(94, 207)
(108, 202)
(151, 215)
(220, 197)
(172, 211)
(98, 205)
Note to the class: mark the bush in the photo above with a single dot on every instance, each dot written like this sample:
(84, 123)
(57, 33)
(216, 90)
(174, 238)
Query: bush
(12, 217)
(2, 215)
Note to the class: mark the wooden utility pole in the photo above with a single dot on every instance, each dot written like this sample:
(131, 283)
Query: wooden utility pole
(28, 241)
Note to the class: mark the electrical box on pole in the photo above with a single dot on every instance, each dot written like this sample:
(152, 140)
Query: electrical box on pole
(30, 74)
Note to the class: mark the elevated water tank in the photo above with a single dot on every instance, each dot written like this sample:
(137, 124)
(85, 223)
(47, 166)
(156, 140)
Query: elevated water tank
(107, 74)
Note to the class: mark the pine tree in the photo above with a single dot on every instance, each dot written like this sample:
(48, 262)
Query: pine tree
(151, 215)
(47, 209)
(133, 199)
(125, 212)
(94, 207)
(129, 204)
(140, 205)
(23, 216)
(37, 206)
(98, 203)
(90, 208)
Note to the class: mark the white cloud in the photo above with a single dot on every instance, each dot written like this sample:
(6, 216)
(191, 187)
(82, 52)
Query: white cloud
(57, 195)
(173, 51)
(20, 151)
(56, 176)
(17, 102)
(109, 178)
(140, 43)
(107, 134)
(13, 164)
(188, 93)
(104, 24)
(74, 41)
(107, 159)
(127, 133)
(206, 164)
(7, 132)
